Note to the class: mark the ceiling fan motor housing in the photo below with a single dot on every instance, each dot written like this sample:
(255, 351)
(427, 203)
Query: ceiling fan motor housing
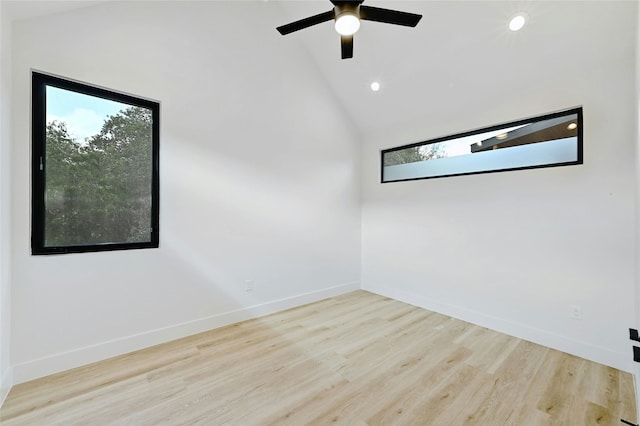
(347, 8)
(347, 16)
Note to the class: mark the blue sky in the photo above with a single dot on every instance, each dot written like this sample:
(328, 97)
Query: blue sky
(83, 114)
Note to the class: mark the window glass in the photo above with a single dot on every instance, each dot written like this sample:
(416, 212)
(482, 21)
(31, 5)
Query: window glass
(95, 168)
(550, 140)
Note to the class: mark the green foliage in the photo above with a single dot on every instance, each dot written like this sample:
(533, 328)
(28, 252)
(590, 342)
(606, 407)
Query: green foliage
(99, 191)
(411, 155)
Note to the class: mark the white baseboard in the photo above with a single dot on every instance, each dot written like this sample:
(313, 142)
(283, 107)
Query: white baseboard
(56, 363)
(6, 382)
(546, 338)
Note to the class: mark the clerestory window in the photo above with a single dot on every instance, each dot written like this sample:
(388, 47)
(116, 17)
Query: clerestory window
(549, 140)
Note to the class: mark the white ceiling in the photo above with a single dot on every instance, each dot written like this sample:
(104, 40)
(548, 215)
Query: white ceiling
(459, 47)
(26, 9)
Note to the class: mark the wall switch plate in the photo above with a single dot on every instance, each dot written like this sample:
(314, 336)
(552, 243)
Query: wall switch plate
(633, 334)
(248, 285)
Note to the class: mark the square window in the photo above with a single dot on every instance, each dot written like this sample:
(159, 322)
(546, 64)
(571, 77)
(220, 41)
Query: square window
(95, 168)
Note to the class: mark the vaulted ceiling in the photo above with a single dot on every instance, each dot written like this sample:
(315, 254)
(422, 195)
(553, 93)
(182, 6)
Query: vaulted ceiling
(458, 48)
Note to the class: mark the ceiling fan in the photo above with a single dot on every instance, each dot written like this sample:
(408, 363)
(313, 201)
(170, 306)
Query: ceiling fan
(347, 15)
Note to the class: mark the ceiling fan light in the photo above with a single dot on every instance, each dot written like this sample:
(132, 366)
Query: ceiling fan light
(347, 23)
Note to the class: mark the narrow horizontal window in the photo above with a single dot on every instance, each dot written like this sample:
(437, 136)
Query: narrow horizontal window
(95, 168)
(545, 141)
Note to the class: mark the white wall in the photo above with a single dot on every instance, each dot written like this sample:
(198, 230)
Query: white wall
(636, 370)
(5, 210)
(513, 250)
(259, 180)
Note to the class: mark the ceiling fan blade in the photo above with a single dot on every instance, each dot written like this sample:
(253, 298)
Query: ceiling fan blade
(306, 22)
(347, 46)
(389, 16)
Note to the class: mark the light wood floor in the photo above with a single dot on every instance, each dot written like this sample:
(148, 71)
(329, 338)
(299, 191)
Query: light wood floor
(356, 359)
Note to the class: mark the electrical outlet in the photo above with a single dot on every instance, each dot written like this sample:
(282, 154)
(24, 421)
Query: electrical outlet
(576, 311)
(248, 285)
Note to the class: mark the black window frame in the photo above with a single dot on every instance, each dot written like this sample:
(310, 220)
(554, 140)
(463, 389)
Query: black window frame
(40, 81)
(569, 111)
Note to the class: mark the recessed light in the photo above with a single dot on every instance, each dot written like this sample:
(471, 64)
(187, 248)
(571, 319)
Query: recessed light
(375, 86)
(502, 136)
(572, 126)
(517, 22)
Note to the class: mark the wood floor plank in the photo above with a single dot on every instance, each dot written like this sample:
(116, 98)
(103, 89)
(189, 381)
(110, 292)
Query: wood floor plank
(376, 387)
(527, 414)
(624, 405)
(556, 398)
(513, 375)
(355, 359)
